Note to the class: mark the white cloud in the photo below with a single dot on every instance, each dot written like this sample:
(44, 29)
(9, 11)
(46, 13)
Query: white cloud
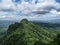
(48, 5)
(7, 7)
(54, 12)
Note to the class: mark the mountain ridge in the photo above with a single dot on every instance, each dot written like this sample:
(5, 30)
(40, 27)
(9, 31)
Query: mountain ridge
(27, 33)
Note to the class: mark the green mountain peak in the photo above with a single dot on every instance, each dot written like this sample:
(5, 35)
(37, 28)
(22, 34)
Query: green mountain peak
(24, 21)
(27, 33)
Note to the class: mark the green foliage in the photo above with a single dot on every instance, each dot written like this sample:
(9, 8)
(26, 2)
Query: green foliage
(57, 39)
(27, 33)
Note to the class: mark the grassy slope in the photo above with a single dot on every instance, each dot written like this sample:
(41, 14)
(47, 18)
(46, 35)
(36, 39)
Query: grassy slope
(28, 34)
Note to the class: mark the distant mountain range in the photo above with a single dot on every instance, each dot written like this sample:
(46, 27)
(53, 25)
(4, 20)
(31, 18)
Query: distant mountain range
(52, 21)
(56, 21)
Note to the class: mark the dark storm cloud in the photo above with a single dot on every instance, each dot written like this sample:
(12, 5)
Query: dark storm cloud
(46, 9)
(6, 10)
(41, 12)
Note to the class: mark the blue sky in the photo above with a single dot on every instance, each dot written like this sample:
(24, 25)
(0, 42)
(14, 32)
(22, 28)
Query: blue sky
(30, 9)
(58, 1)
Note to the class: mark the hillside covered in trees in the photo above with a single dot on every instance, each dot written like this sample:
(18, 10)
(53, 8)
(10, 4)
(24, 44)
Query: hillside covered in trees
(28, 33)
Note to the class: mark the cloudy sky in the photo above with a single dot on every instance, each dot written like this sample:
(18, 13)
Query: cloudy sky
(30, 9)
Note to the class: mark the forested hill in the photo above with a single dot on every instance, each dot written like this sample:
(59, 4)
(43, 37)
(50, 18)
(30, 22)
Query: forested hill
(27, 33)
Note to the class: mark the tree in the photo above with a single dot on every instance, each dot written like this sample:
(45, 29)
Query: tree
(57, 39)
